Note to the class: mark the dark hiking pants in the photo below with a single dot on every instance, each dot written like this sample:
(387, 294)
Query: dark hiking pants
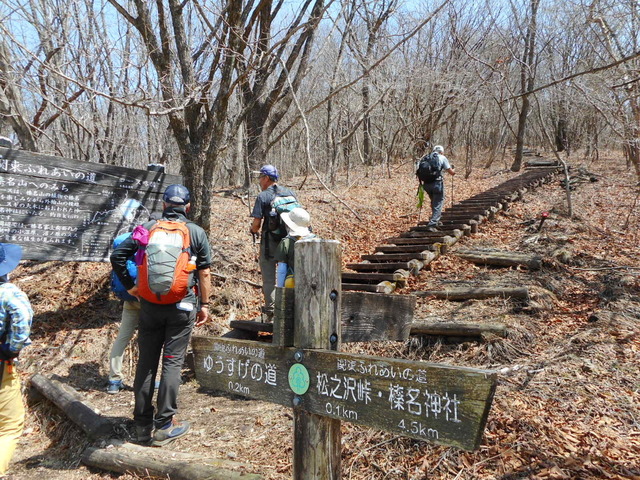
(435, 190)
(163, 330)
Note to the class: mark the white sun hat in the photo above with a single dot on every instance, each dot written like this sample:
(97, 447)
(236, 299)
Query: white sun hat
(297, 221)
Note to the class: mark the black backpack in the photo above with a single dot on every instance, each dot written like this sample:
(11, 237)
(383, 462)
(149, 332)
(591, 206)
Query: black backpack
(429, 168)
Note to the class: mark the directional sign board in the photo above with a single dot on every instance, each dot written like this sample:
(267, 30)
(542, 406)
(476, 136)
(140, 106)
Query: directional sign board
(61, 209)
(442, 404)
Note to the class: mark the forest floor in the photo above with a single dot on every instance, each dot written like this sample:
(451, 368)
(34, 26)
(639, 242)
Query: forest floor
(567, 405)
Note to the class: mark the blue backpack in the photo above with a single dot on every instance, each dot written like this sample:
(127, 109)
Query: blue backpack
(116, 285)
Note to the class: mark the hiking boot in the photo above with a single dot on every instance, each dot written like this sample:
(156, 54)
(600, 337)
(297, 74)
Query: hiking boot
(169, 432)
(114, 386)
(432, 229)
(143, 434)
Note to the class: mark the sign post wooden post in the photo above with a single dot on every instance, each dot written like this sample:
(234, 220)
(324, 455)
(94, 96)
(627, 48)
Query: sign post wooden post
(439, 403)
(317, 439)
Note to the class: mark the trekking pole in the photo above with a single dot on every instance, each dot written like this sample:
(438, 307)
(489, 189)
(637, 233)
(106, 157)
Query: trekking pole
(452, 191)
(256, 249)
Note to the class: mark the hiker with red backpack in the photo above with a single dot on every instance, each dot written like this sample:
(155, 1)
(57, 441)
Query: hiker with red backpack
(172, 260)
(429, 173)
(270, 203)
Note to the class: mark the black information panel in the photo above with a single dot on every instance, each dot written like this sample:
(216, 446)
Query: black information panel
(59, 209)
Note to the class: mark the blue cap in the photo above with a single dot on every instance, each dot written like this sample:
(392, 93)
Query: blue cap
(176, 195)
(269, 171)
(10, 256)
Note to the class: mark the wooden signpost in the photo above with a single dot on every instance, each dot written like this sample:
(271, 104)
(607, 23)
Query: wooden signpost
(438, 403)
(59, 209)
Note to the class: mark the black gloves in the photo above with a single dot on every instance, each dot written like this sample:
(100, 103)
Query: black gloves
(6, 354)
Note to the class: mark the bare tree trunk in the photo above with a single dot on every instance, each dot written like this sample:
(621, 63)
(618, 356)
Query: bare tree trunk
(527, 82)
(11, 105)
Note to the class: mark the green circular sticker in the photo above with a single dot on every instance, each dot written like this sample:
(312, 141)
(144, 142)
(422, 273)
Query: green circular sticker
(299, 378)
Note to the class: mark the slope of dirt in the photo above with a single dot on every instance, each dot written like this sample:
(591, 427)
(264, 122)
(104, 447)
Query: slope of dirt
(568, 401)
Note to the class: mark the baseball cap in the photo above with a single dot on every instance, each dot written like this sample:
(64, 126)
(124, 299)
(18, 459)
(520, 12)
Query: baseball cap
(269, 171)
(10, 256)
(176, 195)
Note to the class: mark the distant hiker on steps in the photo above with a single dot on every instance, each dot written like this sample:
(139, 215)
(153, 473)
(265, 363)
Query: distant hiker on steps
(429, 173)
(266, 221)
(172, 259)
(15, 327)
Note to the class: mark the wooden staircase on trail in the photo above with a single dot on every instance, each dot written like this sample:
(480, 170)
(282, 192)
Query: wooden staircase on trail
(410, 251)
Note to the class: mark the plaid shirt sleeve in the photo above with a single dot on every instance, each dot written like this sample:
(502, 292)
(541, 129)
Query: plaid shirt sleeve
(16, 315)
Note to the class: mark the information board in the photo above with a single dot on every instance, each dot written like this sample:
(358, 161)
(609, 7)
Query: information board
(439, 403)
(60, 209)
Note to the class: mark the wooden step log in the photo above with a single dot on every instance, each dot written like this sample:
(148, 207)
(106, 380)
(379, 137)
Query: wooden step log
(543, 162)
(447, 222)
(479, 209)
(446, 240)
(363, 287)
(457, 217)
(407, 248)
(441, 231)
(461, 217)
(397, 257)
(349, 277)
(478, 204)
(379, 267)
(501, 258)
(417, 240)
(422, 232)
(482, 210)
(458, 294)
(448, 225)
(465, 218)
(499, 204)
(442, 246)
(148, 462)
(74, 405)
(493, 200)
(458, 329)
(414, 240)
(500, 195)
(467, 228)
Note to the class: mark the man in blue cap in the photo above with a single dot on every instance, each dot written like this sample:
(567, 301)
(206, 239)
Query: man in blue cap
(262, 209)
(166, 328)
(15, 327)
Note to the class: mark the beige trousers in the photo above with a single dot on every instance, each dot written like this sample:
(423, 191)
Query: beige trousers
(11, 415)
(128, 326)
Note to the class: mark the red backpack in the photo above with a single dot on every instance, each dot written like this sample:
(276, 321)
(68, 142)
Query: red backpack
(163, 274)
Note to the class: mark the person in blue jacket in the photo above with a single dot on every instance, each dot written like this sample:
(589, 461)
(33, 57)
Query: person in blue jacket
(16, 315)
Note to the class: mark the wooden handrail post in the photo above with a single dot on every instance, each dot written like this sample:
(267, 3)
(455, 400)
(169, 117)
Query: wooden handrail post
(317, 439)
